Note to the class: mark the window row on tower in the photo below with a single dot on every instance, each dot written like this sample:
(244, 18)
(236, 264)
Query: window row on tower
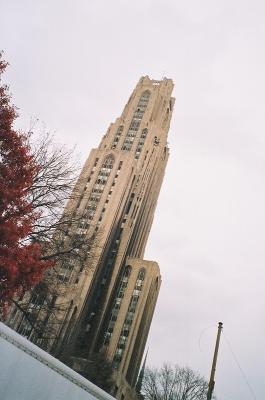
(88, 214)
(96, 193)
(117, 302)
(125, 331)
(135, 122)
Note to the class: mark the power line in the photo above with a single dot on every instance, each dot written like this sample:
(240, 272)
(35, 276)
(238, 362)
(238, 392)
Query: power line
(240, 368)
(201, 335)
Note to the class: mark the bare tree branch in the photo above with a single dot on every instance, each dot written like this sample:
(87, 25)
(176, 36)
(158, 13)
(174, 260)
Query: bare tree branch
(173, 383)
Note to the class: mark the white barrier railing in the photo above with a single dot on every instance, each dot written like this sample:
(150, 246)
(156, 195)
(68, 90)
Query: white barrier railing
(29, 373)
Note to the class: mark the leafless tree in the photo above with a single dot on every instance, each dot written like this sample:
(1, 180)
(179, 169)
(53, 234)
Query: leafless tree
(173, 383)
(62, 240)
(53, 185)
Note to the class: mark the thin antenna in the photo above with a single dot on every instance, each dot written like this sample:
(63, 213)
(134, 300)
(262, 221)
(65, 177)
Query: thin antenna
(211, 381)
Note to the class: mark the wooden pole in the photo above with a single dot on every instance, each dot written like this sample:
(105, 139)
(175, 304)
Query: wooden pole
(211, 381)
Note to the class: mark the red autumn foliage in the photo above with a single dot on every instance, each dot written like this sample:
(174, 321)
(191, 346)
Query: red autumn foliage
(20, 261)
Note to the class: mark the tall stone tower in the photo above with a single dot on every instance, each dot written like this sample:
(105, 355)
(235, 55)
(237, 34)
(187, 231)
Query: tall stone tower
(111, 307)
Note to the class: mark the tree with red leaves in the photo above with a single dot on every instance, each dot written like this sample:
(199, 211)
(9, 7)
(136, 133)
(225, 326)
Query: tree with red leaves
(21, 265)
(37, 178)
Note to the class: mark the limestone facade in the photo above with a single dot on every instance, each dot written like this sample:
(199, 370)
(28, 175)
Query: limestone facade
(111, 301)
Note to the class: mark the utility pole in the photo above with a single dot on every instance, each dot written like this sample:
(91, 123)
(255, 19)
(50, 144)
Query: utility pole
(211, 381)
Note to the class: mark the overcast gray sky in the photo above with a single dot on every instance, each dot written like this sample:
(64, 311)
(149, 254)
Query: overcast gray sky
(73, 65)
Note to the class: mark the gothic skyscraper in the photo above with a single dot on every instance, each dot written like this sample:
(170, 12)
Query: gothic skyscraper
(111, 306)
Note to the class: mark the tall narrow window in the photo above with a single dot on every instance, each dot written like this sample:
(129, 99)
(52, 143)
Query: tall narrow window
(117, 302)
(129, 318)
(141, 143)
(117, 137)
(136, 121)
(96, 193)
